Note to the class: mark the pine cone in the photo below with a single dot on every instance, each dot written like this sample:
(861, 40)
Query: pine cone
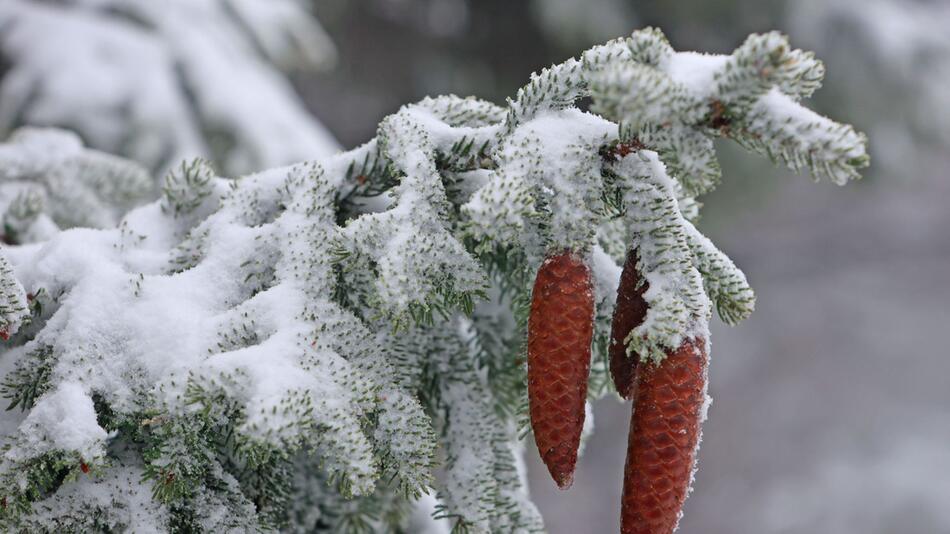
(629, 313)
(664, 435)
(560, 330)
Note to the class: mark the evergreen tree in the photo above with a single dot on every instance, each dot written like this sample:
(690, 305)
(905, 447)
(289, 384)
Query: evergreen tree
(312, 348)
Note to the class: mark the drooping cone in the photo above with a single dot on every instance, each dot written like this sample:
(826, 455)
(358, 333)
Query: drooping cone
(560, 330)
(629, 312)
(664, 435)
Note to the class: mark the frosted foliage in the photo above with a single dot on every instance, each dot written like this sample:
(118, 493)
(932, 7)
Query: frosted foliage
(315, 347)
(64, 420)
(410, 244)
(749, 96)
(802, 139)
(13, 303)
(678, 308)
(725, 284)
(114, 502)
(481, 475)
(48, 180)
(162, 81)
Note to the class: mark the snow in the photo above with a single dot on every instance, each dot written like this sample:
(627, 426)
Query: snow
(606, 276)
(725, 284)
(556, 154)
(696, 71)
(124, 334)
(137, 72)
(443, 134)
(63, 419)
(410, 246)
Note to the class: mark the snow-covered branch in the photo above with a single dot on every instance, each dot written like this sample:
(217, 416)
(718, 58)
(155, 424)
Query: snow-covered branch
(320, 331)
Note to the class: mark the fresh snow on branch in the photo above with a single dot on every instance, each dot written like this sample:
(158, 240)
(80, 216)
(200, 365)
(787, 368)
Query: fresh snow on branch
(313, 347)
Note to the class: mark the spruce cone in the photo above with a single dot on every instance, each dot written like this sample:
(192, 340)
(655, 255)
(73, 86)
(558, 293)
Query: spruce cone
(664, 435)
(629, 313)
(560, 330)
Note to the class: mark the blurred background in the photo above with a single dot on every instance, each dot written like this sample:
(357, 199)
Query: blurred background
(832, 403)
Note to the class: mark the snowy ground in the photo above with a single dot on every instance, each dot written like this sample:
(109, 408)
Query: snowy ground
(831, 402)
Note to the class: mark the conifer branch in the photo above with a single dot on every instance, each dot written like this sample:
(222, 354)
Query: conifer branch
(296, 348)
